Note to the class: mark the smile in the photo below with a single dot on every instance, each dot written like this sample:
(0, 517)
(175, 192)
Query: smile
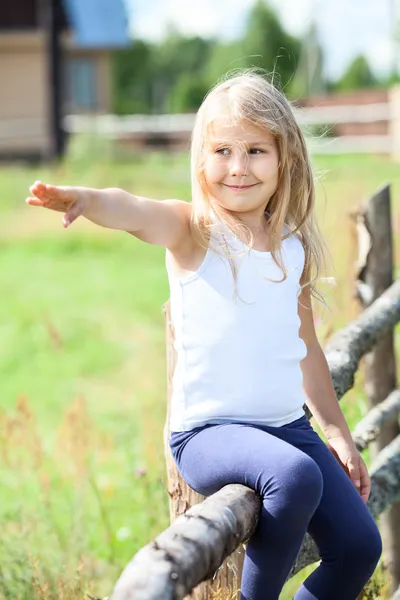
(239, 188)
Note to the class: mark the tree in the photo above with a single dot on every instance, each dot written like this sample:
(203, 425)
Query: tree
(357, 76)
(175, 74)
(132, 73)
(169, 76)
(224, 57)
(309, 78)
(267, 45)
(187, 94)
(179, 64)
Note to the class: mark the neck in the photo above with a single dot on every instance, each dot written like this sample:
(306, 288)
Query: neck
(256, 223)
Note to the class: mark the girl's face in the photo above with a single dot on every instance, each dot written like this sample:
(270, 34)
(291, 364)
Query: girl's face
(241, 167)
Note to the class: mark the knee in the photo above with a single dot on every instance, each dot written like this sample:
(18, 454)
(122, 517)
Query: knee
(301, 485)
(365, 550)
(306, 482)
(375, 547)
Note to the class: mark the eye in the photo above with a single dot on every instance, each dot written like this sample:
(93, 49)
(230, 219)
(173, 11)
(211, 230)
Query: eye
(256, 151)
(222, 151)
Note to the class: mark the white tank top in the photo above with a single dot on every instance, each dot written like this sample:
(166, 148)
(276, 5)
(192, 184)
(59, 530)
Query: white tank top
(238, 358)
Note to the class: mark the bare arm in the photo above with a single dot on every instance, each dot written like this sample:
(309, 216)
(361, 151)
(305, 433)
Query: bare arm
(317, 382)
(160, 222)
(321, 400)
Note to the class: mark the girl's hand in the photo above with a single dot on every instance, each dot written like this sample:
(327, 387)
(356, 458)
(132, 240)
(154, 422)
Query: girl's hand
(352, 462)
(70, 200)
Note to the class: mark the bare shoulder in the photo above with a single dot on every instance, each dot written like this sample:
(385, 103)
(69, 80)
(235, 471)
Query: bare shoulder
(163, 222)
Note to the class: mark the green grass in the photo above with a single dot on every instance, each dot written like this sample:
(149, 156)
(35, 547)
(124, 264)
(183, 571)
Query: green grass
(82, 367)
(80, 344)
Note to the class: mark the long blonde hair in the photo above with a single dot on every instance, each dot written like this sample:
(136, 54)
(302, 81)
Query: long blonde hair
(250, 97)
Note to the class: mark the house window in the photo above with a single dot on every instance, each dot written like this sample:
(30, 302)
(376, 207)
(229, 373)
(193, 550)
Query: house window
(81, 82)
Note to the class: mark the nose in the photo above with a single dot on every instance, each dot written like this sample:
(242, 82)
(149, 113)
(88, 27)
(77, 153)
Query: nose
(238, 164)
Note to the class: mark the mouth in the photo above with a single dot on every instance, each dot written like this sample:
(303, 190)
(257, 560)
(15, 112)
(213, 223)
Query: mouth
(239, 188)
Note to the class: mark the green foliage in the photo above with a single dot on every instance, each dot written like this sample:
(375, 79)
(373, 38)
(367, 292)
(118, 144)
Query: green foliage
(147, 77)
(309, 78)
(174, 75)
(178, 54)
(224, 57)
(387, 81)
(267, 45)
(133, 75)
(357, 76)
(187, 94)
(180, 63)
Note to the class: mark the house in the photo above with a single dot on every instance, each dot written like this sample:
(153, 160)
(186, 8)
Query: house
(55, 58)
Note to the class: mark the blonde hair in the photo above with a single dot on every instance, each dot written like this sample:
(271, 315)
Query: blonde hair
(250, 97)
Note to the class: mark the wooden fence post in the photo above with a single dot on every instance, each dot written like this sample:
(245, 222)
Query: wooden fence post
(182, 497)
(375, 275)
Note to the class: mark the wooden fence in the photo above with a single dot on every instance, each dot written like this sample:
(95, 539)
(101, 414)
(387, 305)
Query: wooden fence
(333, 124)
(368, 123)
(202, 551)
(175, 130)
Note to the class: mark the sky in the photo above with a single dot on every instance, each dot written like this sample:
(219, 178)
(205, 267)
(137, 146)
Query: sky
(346, 27)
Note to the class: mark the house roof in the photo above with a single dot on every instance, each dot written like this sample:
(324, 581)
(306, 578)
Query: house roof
(98, 23)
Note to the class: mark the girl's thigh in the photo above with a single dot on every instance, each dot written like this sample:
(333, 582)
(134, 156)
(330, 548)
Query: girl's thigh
(261, 459)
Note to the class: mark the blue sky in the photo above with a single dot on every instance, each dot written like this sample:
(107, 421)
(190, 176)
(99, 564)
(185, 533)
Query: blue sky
(346, 27)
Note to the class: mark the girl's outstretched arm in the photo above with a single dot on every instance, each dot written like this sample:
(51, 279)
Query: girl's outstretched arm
(160, 222)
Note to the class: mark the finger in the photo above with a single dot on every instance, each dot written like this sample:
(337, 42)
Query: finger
(34, 201)
(57, 192)
(71, 215)
(38, 189)
(354, 472)
(365, 482)
(365, 492)
(365, 489)
(48, 192)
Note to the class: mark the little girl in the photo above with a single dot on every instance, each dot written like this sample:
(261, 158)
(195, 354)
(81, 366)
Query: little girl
(239, 259)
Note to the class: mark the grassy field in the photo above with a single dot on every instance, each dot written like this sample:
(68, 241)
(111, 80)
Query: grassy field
(83, 374)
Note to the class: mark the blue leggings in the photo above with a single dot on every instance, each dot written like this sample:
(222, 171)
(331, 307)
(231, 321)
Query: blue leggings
(303, 488)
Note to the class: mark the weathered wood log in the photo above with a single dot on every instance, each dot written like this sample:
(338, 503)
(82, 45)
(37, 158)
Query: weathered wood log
(379, 365)
(192, 548)
(346, 348)
(396, 595)
(385, 477)
(368, 428)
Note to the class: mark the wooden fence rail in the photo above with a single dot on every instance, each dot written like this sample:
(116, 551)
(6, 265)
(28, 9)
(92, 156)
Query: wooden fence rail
(170, 130)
